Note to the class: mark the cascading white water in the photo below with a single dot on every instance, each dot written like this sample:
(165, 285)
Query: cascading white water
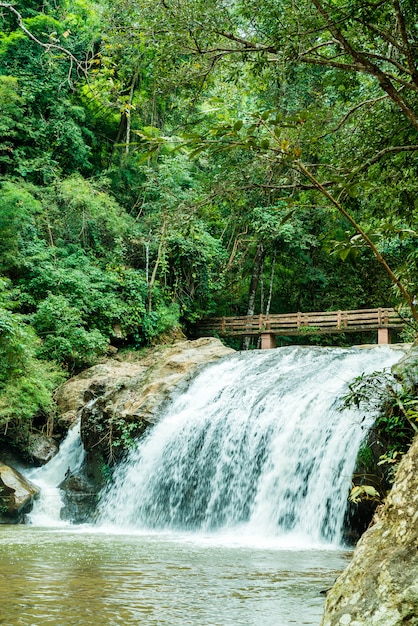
(256, 445)
(70, 457)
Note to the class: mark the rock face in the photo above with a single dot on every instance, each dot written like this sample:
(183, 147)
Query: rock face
(117, 401)
(139, 385)
(80, 498)
(380, 586)
(16, 495)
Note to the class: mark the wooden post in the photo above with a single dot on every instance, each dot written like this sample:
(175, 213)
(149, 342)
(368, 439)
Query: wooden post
(383, 335)
(268, 340)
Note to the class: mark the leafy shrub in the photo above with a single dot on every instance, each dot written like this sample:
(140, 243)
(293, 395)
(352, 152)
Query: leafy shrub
(26, 382)
(397, 420)
(17, 213)
(64, 336)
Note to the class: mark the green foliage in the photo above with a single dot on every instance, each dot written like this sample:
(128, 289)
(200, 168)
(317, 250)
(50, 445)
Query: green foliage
(83, 213)
(11, 121)
(137, 184)
(26, 382)
(397, 420)
(64, 337)
(395, 427)
(365, 456)
(17, 215)
(364, 492)
(44, 126)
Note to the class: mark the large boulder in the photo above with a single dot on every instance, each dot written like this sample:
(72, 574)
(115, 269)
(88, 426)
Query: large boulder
(79, 497)
(128, 397)
(380, 585)
(138, 382)
(16, 495)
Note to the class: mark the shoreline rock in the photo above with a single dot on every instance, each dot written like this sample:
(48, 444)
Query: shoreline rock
(16, 495)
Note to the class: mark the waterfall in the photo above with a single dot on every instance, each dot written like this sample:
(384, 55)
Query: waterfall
(46, 510)
(256, 445)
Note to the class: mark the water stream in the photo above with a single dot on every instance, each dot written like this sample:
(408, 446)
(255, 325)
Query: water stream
(46, 510)
(229, 512)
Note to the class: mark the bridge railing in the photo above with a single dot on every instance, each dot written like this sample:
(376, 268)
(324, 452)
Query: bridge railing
(302, 323)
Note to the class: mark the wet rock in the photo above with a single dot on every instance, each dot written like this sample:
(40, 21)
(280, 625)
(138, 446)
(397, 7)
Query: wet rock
(133, 391)
(379, 587)
(79, 497)
(16, 495)
(40, 449)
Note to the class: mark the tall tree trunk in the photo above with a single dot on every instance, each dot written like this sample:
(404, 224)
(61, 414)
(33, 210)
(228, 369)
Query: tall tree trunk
(273, 263)
(124, 129)
(157, 263)
(255, 278)
(128, 112)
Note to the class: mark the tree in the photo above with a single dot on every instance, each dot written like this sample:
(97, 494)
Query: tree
(367, 45)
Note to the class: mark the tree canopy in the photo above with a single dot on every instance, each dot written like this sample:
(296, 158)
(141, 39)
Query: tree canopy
(165, 161)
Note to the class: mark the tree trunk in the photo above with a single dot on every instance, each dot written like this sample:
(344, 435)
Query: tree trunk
(128, 112)
(157, 263)
(255, 278)
(273, 263)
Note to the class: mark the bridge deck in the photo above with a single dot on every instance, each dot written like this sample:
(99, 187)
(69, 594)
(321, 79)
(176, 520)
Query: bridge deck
(301, 323)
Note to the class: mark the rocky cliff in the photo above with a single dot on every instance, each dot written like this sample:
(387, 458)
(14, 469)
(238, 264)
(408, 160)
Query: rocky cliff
(380, 585)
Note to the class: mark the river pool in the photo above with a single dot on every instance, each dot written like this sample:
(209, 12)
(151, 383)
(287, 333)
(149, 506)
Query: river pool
(85, 576)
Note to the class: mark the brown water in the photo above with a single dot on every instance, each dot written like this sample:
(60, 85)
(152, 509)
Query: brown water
(78, 576)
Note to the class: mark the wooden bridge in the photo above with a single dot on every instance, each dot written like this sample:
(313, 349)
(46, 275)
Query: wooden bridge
(268, 327)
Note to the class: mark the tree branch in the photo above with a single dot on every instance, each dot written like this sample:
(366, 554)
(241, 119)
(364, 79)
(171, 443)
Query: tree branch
(382, 153)
(46, 46)
(380, 33)
(367, 65)
(407, 48)
(350, 112)
(363, 234)
(248, 45)
(380, 57)
(350, 67)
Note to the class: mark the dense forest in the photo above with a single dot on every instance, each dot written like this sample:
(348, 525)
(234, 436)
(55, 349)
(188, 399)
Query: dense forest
(162, 161)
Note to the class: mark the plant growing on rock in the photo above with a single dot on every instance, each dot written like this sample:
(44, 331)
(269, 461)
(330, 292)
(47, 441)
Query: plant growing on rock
(395, 426)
